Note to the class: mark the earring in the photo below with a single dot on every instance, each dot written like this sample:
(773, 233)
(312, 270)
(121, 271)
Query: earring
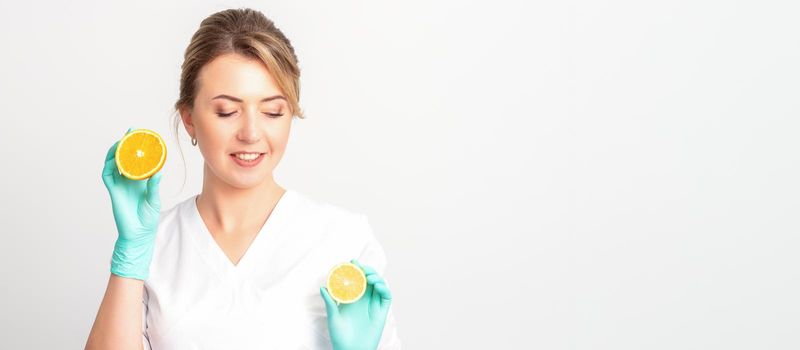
(194, 141)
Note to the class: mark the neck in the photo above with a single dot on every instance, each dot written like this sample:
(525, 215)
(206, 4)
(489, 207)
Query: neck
(232, 209)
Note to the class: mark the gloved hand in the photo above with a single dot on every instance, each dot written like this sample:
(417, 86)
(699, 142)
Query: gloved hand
(137, 207)
(358, 326)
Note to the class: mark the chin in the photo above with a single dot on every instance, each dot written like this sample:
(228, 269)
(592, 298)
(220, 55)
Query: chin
(244, 181)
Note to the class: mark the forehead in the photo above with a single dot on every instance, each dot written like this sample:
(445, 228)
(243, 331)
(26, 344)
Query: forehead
(236, 75)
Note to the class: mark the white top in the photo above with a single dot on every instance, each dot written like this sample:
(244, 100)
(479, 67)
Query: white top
(196, 298)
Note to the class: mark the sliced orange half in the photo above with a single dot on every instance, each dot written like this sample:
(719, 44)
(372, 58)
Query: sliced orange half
(140, 154)
(346, 283)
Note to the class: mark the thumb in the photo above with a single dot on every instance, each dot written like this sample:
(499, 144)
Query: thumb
(152, 190)
(330, 305)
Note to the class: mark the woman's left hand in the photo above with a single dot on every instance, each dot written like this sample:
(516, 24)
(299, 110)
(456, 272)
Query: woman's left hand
(358, 326)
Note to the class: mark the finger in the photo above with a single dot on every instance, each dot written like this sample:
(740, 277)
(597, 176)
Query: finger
(383, 290)
(110, 165)
(330, 305)
(374, 303)
(380, 301)
(385, 297)
(111, 151)
(355, 261)
(374, 278)
(152, 190)
(109, 168)
(368, 270)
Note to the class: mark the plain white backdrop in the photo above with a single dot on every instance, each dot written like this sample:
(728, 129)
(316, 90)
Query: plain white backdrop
(542, 174)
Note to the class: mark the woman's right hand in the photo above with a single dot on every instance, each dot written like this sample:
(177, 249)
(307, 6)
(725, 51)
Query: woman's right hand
(137, 207)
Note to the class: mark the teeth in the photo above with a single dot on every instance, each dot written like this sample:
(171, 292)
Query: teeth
(247, 156)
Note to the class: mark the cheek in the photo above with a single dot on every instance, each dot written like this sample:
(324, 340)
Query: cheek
(280, 139)
(211, 145)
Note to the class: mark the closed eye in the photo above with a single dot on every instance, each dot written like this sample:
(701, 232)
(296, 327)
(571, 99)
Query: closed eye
(271, 115)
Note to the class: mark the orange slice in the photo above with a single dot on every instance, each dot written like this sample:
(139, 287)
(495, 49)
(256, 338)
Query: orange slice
(346, 283)
(140, 154)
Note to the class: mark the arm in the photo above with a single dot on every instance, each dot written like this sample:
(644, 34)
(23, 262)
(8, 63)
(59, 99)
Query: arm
(136, 206)
(118, 324)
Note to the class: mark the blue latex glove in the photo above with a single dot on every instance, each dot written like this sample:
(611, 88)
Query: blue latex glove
(137, 207)
(358, 326)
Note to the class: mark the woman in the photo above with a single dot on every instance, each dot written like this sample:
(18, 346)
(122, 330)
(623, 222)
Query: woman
(242, 264)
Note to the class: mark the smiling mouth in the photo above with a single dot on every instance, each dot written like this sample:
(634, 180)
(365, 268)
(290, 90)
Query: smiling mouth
(249, 158)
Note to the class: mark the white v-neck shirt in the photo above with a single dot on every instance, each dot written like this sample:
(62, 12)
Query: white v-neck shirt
(196, 298)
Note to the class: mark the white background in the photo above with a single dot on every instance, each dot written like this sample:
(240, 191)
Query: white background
(542, 175)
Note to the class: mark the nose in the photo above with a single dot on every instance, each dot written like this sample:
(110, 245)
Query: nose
(249, 129)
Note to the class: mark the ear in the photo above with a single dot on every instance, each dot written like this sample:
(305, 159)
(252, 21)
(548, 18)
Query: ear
(188, 123)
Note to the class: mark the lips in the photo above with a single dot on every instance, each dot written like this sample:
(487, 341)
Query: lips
(247, 163)
(235, 153)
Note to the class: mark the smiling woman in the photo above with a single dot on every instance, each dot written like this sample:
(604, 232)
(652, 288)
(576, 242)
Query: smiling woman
(211, 62)
(243, 264)
(240, 120)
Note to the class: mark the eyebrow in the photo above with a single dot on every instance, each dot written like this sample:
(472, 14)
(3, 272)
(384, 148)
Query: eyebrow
(236, 99)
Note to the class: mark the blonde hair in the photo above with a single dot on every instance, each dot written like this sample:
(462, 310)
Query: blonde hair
(241, 31)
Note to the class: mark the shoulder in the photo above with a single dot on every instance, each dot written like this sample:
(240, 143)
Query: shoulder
(346, 229)
(336, 221)
(174, 220)
(345, 233)
(317, 209)
(169, 214)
